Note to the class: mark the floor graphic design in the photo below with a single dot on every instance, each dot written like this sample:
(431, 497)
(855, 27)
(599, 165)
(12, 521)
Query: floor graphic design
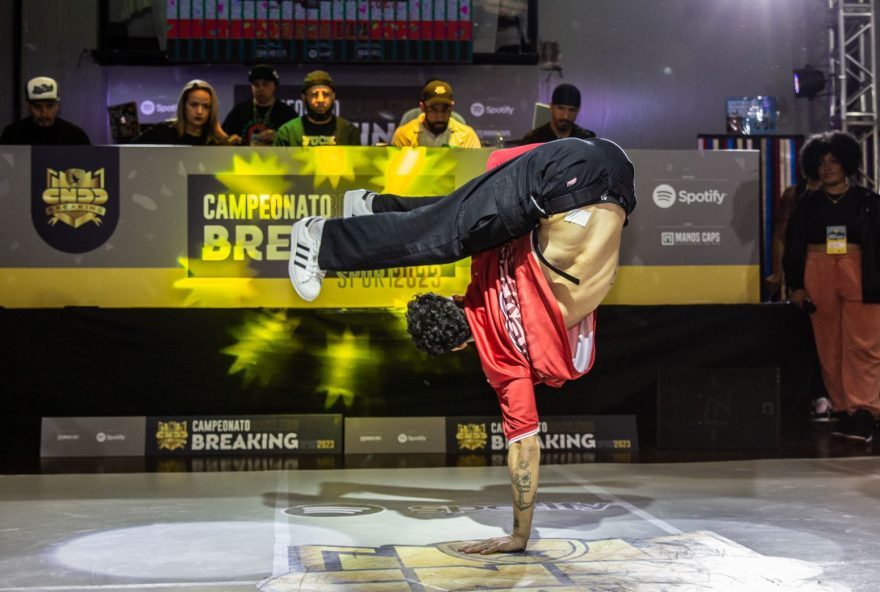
(699, 560)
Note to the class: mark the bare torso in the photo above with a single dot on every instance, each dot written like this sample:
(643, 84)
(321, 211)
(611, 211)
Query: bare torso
(590, 253)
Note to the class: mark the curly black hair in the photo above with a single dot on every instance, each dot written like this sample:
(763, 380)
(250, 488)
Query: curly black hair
(436, 324)
(843, 146)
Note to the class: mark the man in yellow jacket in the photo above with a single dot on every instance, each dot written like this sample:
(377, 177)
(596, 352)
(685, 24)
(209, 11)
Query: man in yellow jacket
(434, 128)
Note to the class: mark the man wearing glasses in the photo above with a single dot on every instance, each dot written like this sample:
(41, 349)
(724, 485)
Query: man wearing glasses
(434, 128)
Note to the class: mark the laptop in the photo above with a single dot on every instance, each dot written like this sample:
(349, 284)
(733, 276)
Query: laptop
(541, 116)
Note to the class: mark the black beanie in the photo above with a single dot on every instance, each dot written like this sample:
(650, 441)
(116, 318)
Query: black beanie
(264, 72)
(566, 94)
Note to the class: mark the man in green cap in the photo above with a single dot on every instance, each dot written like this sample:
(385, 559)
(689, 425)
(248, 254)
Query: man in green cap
(319, 125)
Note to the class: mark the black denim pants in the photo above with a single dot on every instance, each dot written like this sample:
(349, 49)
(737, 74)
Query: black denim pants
(499, 205)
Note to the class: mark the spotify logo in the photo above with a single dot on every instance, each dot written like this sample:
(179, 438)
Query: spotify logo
(664, 196)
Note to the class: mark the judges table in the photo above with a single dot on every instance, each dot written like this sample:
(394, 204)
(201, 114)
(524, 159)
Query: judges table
(177, 227)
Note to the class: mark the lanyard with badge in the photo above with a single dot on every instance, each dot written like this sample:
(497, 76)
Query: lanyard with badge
(835, 240)
(835, 236)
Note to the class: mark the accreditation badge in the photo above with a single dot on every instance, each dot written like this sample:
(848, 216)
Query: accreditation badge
(835, 240)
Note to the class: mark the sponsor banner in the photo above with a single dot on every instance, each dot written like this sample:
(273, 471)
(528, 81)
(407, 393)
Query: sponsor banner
(249, 224)
(576, 433)
(494, 117)
(226, 435)
(694, 209)
(92, 436)
(368, 435)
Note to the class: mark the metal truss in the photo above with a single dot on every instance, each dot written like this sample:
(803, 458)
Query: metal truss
(853, 69)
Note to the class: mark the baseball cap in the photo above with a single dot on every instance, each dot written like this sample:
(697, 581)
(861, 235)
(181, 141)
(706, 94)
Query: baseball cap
(264, 72)
(437, 91)
(42, 88)
(566, 94)
(315, 78)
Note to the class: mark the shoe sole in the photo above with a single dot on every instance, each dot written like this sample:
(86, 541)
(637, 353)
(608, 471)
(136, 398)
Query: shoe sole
(855, 438)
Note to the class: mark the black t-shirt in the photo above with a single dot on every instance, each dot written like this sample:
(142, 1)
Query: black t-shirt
(164, 133)
(545, 133)
(26, 132)
(247, 119)
(821, 213)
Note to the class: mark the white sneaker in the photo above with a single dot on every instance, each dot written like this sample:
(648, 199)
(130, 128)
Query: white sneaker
(822, 409)
(355, 203)
(305, 275)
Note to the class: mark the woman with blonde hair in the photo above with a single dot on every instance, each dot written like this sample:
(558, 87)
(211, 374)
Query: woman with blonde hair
(197, 122)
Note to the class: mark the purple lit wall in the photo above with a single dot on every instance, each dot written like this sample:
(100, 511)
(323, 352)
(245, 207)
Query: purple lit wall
(6, 59)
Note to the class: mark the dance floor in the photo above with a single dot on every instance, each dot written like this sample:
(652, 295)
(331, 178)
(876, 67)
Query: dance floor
(777, 524)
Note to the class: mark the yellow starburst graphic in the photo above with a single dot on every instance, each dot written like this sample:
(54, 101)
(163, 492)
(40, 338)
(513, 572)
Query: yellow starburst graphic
(265, 346)
(331, 163)
(416, 171)
(346, 354)
(241, 178)
(234, 288)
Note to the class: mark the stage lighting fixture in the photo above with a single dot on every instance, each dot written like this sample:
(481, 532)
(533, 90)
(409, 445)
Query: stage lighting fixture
(808, 82)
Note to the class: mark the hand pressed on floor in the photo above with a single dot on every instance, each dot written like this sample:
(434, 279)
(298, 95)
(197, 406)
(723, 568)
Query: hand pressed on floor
(505, 544)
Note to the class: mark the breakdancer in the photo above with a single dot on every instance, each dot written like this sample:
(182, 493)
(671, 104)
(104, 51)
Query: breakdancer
(544, 229)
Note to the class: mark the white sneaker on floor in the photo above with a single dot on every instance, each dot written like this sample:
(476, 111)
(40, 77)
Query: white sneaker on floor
(305, 275)
(822, 409)
(355, 203)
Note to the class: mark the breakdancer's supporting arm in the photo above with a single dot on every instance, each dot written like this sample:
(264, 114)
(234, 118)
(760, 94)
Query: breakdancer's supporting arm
(523, 461)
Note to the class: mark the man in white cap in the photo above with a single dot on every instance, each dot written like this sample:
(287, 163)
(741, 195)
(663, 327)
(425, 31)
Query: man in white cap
(434, 127)
(43, 127)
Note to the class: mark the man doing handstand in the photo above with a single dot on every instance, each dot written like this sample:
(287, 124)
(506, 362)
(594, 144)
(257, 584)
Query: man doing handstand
(544, 229)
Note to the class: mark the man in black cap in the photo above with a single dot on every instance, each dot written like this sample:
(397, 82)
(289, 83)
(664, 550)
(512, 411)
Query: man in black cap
(319, 125)
(253, 123)
(564, 107)
(43, 127)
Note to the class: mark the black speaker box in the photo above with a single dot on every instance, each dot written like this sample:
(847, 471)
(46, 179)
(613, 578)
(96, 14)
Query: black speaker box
(718, 409)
